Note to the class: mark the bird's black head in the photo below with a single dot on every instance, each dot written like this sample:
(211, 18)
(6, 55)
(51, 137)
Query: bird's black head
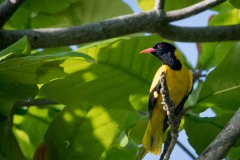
(166, 53)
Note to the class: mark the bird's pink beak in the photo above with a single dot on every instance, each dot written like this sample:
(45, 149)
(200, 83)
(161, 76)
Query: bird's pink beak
(149, 50)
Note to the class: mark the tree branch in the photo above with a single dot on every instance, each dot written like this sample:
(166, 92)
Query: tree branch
(201, 34)
(7, 8)
(173, 120)
(186, 150)
(35, 102)
(152, 21)
(224, 141)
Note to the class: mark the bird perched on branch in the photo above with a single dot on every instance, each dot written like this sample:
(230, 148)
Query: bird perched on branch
(179, 82)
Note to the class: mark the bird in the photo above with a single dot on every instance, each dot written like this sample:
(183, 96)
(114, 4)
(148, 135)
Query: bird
(179, 82)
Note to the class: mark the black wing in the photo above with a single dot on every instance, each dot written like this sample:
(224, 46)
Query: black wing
(153, 98)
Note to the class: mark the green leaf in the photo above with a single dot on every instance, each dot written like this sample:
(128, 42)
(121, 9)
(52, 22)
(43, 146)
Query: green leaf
(82, 128)
(9, 148)
(213, 53)
(20, 19)
(28, 137)
(233, 153)
(235, 3)
(18, 49)
(147, 5)
(222, 84)
(226, 18)
(202, 130)
(223, 7)
(119, 71)
(12, 91)
(137, 131)
(38, 68)
(48, 7)
(81, 12)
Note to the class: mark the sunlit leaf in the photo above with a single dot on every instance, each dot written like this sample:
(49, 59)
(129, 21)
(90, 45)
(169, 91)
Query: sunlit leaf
(18, 49)
(120, 73)
(226, 18)
(34, 67)
(76, 131)
(147, 5)
(27, 136)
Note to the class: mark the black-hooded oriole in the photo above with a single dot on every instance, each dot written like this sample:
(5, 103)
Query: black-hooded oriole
(179, 82)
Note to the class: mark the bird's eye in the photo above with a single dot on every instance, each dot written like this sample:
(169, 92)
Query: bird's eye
(159, 46)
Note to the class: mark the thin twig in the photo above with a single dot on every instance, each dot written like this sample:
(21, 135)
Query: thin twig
(186, 150)
(35, 102)
(173, 120)
(28, 103)
(7, 8)
(166, 145)
(224, 140)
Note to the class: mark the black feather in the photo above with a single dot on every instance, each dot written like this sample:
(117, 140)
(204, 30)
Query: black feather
(152, 100)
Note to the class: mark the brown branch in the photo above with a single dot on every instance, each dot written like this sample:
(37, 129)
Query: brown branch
(224, 140)
(7, 8)
(173, 120)
(150, 21)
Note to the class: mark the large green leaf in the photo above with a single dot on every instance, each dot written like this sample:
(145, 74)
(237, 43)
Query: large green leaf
(213, 53)
(222, 84)
(147, 5)
(202, 130)
(13, 91)
(120, 74)
(34, 67)
(42, 14)
(30, 137)
(82, 128)
(9, 148)
(82, 12)
(226, 18)
(18, 49)
(46, 6)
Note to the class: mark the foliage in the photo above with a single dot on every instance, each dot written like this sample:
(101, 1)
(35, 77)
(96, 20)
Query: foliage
(100, 90)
